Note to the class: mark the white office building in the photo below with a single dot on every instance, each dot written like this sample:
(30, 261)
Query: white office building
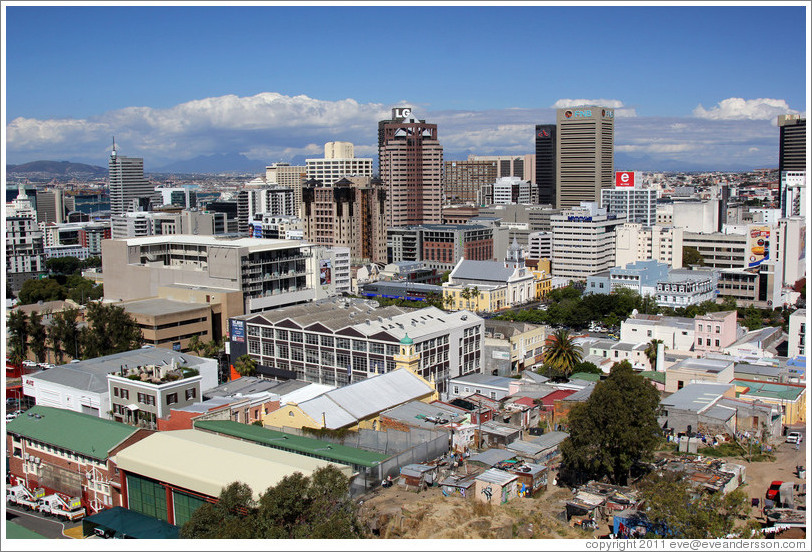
(339, 162)
(635, 242)
(584, 241)
(636, 204)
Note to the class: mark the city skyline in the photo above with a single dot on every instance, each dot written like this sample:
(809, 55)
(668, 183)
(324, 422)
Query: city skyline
(275, 83)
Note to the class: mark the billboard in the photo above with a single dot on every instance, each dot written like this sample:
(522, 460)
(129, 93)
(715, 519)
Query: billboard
(624, 179)
(758, 245)
(325, 272)
(238, 331)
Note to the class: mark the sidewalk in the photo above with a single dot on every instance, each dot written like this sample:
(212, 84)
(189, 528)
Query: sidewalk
(74, 532)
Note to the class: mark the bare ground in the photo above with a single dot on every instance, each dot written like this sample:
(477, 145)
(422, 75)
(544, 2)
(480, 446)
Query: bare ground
(396, 513)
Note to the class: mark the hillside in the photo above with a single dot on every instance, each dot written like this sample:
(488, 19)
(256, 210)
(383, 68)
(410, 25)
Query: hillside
(55, 169)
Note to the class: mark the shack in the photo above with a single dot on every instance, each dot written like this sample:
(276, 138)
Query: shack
(532, 479)
(457, 486)
(417, 476)
(495, 486)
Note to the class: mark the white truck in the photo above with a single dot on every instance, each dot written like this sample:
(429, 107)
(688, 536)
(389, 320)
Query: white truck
(69, 508)
(21, 496)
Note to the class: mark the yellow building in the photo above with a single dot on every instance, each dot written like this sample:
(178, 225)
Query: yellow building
(790, 398)
(359, 405)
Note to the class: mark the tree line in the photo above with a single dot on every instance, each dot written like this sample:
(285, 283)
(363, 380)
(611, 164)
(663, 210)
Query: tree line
(65, 281)
(298, 507)
(109, 329)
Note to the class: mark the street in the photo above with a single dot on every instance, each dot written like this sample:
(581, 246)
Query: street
(50, 528)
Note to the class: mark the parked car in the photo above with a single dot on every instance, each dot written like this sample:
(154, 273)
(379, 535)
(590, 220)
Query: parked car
(772, 492)
(795, 437)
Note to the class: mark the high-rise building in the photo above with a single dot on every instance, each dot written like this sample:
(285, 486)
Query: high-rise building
(585, 149)
(349, 213)
(522, 166)
(506, 190)
(545, 163)
(25, 253)
(462, 180)
(289, 176)
(129, 190)
(411, 165)
(339, 161)
(252, 204)
(629, 198)
(51, 206)
(792, 164)
(584, 241)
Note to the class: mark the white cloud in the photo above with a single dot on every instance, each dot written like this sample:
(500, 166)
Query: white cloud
(620, 109)
(739, 108)
(270, 127)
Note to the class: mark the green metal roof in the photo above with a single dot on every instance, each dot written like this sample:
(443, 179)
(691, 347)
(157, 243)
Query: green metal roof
(769, 390)
(294, 443)
(586, 376)
(82, 433)
(659, 377)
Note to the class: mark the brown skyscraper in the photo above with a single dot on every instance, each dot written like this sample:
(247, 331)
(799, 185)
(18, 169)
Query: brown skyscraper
(411, 165)
(584, 154)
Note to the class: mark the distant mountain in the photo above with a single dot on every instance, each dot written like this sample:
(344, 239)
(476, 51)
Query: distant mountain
(626, 162)
(216, 163)
(55, 169)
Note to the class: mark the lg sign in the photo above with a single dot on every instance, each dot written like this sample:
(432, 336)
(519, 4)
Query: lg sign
(624, 179)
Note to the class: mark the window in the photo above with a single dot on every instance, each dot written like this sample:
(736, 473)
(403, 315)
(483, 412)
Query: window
(456, 390)
(699, 341)
(125, 394)
(718, 329)
(708, 342)
(493, 394)
(172, 398)
(699, 328)
(115, 391)
(717, 342)
(680, 383)
(191, 393)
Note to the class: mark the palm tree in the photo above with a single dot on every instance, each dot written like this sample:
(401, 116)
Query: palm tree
(560, 353)
(195, 344)
(466, 294)
(651, 352)
(245, 366)
(475, 295)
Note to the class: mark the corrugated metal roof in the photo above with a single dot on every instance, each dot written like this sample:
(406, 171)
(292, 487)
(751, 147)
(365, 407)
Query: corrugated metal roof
(525, 447)
(85, 434)
(324, 410)
(497, 477)
(482, 271)
(205, 463)
(484, 379)
(491, 457)
(293, 443)
(695, 397)
(416, 412)
(380, 393)
(550, 440)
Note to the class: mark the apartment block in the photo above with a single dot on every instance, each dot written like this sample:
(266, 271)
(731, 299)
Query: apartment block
(636, 242)
(462, 180)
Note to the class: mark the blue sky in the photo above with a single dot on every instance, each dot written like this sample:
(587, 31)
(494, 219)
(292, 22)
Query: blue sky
(274, 83)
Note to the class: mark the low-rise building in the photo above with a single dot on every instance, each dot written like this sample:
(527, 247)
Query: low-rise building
(158, 479)
(715, 330)
(337, 342)
(789, 398)
(698, 370)
(494, 387)
(143, 394)
(170, 324)
(682, 288)
(68, 452)
(83, 387)
(797, 334)
(676, 332)
(355, 406)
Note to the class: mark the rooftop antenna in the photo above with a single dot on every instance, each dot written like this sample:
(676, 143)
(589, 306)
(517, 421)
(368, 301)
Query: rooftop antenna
(114, 147)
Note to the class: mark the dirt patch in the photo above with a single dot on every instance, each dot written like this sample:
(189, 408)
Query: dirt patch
(399, 514)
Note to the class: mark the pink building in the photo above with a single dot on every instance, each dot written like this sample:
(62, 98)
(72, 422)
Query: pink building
(714, 331)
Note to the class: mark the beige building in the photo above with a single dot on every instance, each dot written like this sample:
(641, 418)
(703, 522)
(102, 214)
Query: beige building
(585, 154)
(584, 241)
(635, 242)
(268, 273)
(289, 176)
(697, 370)
(339, 162)
(170, 324)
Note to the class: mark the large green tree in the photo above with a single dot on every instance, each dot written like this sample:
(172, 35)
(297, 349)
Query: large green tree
(561, 353)
(298, 507)
(692, 256)
(18, 329)
(37, 336)
(680, 510)
(45, 289)
(110, 330)
(245, 366)
(614, 428)
(63, 334)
